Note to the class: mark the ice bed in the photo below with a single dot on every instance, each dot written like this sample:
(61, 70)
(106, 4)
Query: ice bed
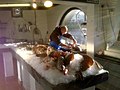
(113, 50)
(54, 79)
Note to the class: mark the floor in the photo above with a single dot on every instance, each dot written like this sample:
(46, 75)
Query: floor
(11, 82)
(113, 80)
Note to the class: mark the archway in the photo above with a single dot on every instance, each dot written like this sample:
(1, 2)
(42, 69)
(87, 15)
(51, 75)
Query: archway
(76, 21)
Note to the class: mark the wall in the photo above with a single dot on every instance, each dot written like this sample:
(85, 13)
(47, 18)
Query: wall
(41, 21)
(12, 25)
(6, 24)
(108, 22)
(55, 14)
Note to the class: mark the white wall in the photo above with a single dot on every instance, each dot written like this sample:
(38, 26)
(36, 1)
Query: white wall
(6, 24)
(108, 24)
(10, 29)
(41, 20)
(55, 14)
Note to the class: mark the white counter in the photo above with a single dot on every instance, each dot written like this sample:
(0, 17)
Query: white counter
(35, 65)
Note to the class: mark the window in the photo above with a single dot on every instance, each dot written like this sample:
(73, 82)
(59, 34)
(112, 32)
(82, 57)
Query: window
(75, 20)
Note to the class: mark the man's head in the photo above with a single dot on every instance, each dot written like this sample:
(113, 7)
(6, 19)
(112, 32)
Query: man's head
(64, 29)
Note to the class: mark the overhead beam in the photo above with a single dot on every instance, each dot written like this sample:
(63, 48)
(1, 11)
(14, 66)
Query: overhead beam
(84, 1)
(27, 8)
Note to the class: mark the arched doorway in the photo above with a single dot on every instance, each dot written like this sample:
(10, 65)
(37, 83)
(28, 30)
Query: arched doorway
(76, 21)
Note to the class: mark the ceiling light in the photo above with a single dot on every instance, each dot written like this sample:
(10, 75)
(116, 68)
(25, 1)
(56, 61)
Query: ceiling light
(48, 3)
(15, 5)
(34, 5)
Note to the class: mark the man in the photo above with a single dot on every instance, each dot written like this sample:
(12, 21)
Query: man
(55, 38)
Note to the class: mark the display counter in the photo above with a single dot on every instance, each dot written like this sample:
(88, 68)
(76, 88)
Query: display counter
(34, 77)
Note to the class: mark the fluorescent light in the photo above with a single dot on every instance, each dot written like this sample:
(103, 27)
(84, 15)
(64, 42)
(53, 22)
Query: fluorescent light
(15, 5)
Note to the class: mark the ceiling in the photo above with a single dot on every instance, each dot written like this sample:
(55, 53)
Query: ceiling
(112, 3)
(55, 1)
(20, 1)
(40, 6)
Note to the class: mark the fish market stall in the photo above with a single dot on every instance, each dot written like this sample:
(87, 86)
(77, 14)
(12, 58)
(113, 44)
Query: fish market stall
(56, 70)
